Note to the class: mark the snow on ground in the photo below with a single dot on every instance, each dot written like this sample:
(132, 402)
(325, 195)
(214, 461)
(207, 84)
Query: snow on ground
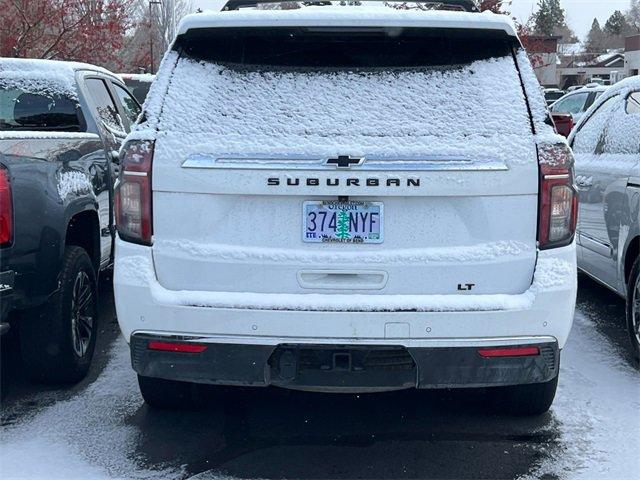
(597, 405)
(89, 437)
(85, 437)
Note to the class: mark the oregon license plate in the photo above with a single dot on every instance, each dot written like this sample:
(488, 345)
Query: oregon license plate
(342, 222)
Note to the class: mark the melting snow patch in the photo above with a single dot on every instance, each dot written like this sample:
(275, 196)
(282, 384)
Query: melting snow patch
(73, 182)
(597, 407)
(85, 437)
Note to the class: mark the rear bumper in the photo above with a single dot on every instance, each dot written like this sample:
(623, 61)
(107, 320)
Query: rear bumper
(545, 310)
(352, 368)
(245, 344)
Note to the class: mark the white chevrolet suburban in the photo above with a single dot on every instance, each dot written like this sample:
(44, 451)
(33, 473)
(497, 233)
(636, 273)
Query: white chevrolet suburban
(346, 199)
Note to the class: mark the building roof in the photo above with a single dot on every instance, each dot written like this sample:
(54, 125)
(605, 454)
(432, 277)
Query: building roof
(606, 60)
(348, 16)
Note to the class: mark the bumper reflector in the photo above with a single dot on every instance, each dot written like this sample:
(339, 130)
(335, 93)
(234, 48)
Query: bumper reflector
(509, 352)
(176, 347)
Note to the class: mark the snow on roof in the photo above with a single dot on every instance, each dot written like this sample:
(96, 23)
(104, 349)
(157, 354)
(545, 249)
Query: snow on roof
(140, 77)
(337, 16)
(605, 59)
(39, 66)
(623, 86)
(43, 76)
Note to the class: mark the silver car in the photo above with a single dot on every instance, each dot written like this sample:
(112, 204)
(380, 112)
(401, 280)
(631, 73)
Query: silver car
(578, 101)
(606, 144)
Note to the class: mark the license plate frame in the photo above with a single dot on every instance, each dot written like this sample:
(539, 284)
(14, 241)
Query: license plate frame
(373, 225)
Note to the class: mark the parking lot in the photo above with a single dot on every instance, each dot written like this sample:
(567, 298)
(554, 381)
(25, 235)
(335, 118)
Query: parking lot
(101, 429)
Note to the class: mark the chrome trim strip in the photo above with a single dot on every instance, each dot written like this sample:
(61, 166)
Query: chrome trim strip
(135, 174)
(562, 176)
(275, 340)
(412, 164)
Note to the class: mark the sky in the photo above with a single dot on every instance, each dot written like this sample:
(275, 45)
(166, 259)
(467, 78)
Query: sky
(580, 13)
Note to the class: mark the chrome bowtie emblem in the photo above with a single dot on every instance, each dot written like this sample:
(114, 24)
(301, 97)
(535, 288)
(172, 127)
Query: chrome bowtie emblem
(345, 161)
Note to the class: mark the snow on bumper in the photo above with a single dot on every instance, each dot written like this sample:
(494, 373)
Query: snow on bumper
(544, 310)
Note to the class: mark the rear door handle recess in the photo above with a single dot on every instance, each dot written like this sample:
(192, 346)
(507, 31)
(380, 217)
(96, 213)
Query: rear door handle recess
(343, 279)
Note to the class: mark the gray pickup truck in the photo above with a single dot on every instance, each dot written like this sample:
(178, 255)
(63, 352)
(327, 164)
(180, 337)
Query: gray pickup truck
(61, 125)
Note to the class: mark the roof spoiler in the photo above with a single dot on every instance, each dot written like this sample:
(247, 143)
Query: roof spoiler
(459, 5)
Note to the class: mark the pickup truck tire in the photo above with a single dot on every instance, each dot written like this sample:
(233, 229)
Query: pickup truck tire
(58, 339)
(521, 400)
(633, 309)
(169, 394)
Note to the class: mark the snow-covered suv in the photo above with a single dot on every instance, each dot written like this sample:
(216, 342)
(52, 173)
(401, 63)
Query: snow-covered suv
(346, 198)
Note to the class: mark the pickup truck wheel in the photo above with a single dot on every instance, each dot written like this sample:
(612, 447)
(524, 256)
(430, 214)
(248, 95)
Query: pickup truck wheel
(169, 394)
(533, 399)
(633, 309)
(57, 340)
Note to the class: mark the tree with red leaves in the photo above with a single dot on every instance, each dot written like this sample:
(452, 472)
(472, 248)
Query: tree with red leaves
(85, 30)
(495, 6)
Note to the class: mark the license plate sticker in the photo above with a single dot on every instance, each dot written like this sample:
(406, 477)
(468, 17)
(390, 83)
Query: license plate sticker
(342, 222)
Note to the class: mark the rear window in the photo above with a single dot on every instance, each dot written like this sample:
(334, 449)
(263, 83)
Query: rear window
(553, 96)
(354, 48)
(138, 88)
(387, 92)
(36, 105)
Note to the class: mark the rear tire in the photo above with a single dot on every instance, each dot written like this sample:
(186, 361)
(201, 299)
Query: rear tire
(169, 394)
(57, 339)
(521, 400)
(633, 309)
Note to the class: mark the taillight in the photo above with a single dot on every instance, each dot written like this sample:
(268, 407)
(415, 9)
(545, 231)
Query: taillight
(558, 210)
(6, 208)
(133, 193)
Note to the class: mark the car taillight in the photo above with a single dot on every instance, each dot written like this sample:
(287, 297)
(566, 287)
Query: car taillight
(558, 210)
(6, 208)
(133, 193)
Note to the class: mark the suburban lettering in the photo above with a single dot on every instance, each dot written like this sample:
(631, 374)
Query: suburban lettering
(335, 182)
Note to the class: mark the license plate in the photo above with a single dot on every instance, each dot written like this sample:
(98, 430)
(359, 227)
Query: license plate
(342, 222)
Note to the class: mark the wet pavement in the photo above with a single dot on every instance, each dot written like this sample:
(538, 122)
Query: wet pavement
(270, 433)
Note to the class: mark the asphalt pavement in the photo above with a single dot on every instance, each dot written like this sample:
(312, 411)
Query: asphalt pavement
(105, 431)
